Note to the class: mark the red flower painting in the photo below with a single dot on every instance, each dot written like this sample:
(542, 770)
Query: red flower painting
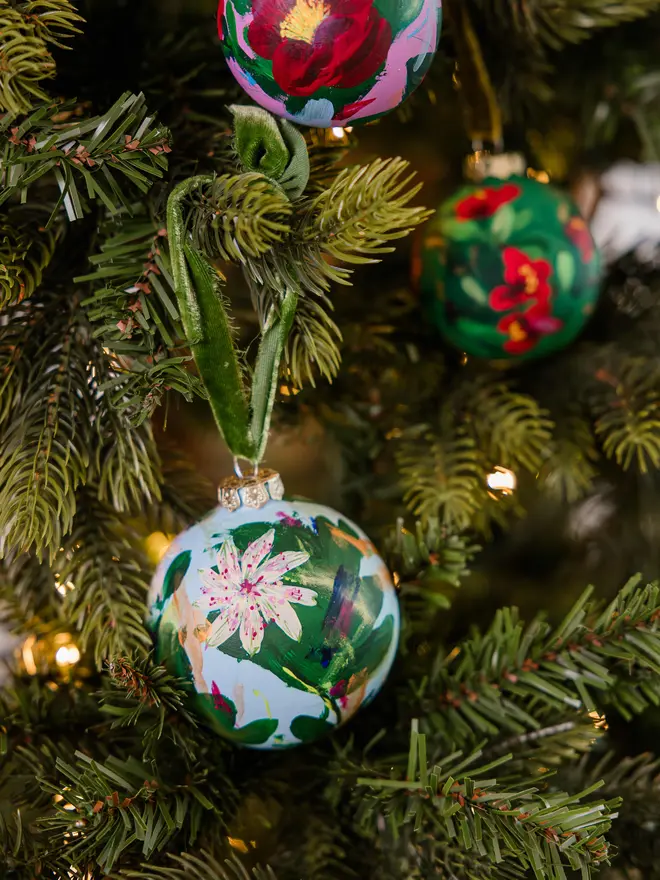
(485, 202)
(525, 329)
(524, 279)
(316, 43)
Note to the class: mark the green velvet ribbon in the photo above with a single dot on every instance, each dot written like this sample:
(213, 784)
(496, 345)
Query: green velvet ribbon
(243, 420)
(271, 146)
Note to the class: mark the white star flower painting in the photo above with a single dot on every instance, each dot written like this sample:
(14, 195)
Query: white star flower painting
(249, 593)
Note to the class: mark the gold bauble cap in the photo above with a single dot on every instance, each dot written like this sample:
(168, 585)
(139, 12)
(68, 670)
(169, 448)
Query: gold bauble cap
(482, 164)
(255, 490)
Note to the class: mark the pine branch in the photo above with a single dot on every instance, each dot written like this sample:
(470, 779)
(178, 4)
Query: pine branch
(626, 406)
(557, 22)
(38, 729)
(28, 593)
(110, 156)
(539, 831)
(319, 850)
(26, 29)
(561, 743)
(511, 428)
(428, 566)
(247, 219)
(283, 245)
(15, 334)
(513, 678)
(133, 295)
(313, 345)
(352, 221)
(59, 410)
(143, 688)
(41, 725)
(198, 867)
(20, 846)
(443, 478)
(485, 424)
(45, 448)
(134, 311)
(569, 471)
(26, 249)
(636, 780)
(118, 805)
(127, 465)
(239, 216)
(103, 560)
(404, 853)
(429, 549)
(365, 208)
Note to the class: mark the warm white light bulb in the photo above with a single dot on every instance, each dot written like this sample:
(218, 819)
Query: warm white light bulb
(502, 480)
(67, 655)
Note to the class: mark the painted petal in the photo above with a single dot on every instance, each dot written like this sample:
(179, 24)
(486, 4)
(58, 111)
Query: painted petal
(514, 260)
(228, 567)
(288, 621)
(256, 553)
(216, 592)
(503, 298)
(223, 628)
(272, 569)
(543, 270)
(275, 594)
(300, 595)
(252, 631)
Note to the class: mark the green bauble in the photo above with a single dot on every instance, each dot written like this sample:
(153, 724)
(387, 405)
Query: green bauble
(509, 269)
(282, 617)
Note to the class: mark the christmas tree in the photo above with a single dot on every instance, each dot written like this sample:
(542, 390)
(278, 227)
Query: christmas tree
(190, 283)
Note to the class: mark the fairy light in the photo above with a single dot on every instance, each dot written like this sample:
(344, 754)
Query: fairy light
(63, 588)
(67, 655)
(289, 390)
(28, 655)
(540, 176)
(501, 482)
(600, 721)
(63, 803)
(340, 133)
(157, 545)
(41, 654)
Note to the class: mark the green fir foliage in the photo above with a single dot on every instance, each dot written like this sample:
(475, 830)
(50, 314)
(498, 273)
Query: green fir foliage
(544, 834)
(518, 764)
(29, 31)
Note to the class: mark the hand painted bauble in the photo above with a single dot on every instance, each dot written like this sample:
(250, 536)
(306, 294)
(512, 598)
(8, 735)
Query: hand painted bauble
(329, 62)
(283, 617)
(509, 269)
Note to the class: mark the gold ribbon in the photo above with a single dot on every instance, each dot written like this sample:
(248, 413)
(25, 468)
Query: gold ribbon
(483, 118)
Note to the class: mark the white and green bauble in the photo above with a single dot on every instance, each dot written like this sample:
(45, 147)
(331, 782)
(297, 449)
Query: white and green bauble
(280, 613)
